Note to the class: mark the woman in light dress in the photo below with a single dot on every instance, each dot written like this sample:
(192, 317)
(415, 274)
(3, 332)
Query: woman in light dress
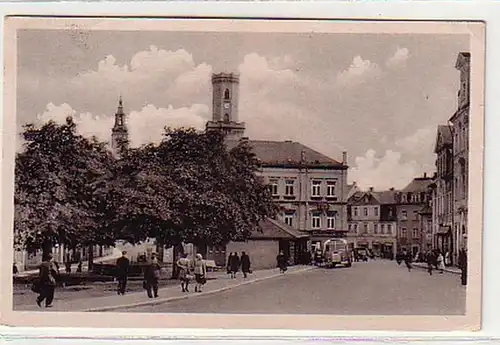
(185, 267)
(440, 261)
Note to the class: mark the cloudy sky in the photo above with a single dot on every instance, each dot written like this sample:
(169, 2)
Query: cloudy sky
(377, 96)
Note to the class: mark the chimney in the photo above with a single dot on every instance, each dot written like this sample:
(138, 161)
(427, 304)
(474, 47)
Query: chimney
(371, 189)
(344, 157)
(302, 156)
(425, 175)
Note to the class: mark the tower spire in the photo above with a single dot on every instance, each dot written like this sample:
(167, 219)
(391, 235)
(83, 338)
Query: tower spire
(119, 133)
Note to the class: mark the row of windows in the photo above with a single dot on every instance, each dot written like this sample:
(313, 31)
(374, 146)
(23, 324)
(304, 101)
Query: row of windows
(415, 233)
(317, 188)
(364, 228)
(316, 220)
(366, 211)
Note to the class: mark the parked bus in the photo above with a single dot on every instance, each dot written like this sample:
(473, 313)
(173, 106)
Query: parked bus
(336, 252)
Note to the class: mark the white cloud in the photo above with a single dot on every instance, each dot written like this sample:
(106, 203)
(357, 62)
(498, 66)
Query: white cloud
(145, 126)
(421, 141)
(384, 172)
(399, 57)
(162, 74)
(359, 71)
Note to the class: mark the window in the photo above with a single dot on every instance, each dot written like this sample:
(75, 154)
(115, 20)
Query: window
(404, 215)
(289, 218)
(349, 227)
(316, 221)
(330, 188)
(365, 211)
(316, 188)
(226, 94)
(226, 117)
(274, 187)
(389, 229)
(365, 228)
(330, 220)
(403, 232)
(355, 211)
(382, 228)
(415, 215)
(375, 228)
(375, 211)
(415, 233)
(289, 184)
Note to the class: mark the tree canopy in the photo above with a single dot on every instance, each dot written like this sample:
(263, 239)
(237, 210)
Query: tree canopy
(187, 188)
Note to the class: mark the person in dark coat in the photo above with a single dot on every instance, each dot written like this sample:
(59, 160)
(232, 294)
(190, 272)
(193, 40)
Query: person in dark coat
(122, 267)
(245, 264)
(79, 267)
(234, 265)
(68, 267)
(15, 270)
(462, 264)
(152, 277)
(407, 257)
(48, 276)
(430, 261)
(281, 262)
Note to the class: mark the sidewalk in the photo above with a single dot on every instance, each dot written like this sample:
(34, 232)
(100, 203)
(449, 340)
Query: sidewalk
(452, 269)
(222, 282)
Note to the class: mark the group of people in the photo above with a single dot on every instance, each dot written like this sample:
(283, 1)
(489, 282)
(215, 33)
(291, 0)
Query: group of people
(192, 270)
(234, 263)
(436, 260)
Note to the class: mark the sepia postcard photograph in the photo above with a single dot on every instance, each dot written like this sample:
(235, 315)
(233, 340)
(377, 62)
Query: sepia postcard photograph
(242, 173)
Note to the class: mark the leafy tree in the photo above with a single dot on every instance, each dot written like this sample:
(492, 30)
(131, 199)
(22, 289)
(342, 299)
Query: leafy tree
(60, 189)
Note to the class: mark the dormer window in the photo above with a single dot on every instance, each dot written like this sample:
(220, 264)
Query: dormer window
(226, 94)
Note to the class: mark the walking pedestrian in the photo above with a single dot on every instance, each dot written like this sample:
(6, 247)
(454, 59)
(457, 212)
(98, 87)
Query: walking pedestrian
(122, 268)
(200, 272)
(430, 259)
(234, 265)
(440, 262)
(407, 257)
(245, 264)
(79, 267)
(281, 262)
(447, 259)
(68, 267)
(185, 267)
(152, 278)
(462, 264)
(48, 276)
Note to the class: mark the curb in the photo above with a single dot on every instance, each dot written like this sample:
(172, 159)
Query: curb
(434, 269)
(179, 298)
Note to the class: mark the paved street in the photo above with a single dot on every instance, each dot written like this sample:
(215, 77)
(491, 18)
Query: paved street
(377, 287)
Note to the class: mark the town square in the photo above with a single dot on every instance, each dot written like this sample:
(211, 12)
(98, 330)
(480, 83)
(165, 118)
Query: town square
(268, 181)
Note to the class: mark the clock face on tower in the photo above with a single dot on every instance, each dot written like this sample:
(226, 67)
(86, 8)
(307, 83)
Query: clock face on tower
(226, 105)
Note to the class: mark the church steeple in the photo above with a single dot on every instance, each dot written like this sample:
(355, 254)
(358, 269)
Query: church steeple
(119, 135)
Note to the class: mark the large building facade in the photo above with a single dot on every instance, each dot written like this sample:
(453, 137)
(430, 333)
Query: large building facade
(460, 121)
(442, 197)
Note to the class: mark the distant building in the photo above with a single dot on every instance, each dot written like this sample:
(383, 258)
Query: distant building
(460, 121)
(413, 219)
(442, 191)
(372, 220)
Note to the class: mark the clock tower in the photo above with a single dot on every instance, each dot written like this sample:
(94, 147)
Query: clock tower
(225, 96)
(119, 133)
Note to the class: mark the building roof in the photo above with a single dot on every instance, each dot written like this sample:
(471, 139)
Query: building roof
(290, 153)
(381, 197)
(419, 184)
(444, 137)
(275, 229)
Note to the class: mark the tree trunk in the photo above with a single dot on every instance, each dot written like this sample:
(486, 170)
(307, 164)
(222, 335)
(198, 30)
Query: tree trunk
(91, 258)
(175, 269)
(46, 248)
